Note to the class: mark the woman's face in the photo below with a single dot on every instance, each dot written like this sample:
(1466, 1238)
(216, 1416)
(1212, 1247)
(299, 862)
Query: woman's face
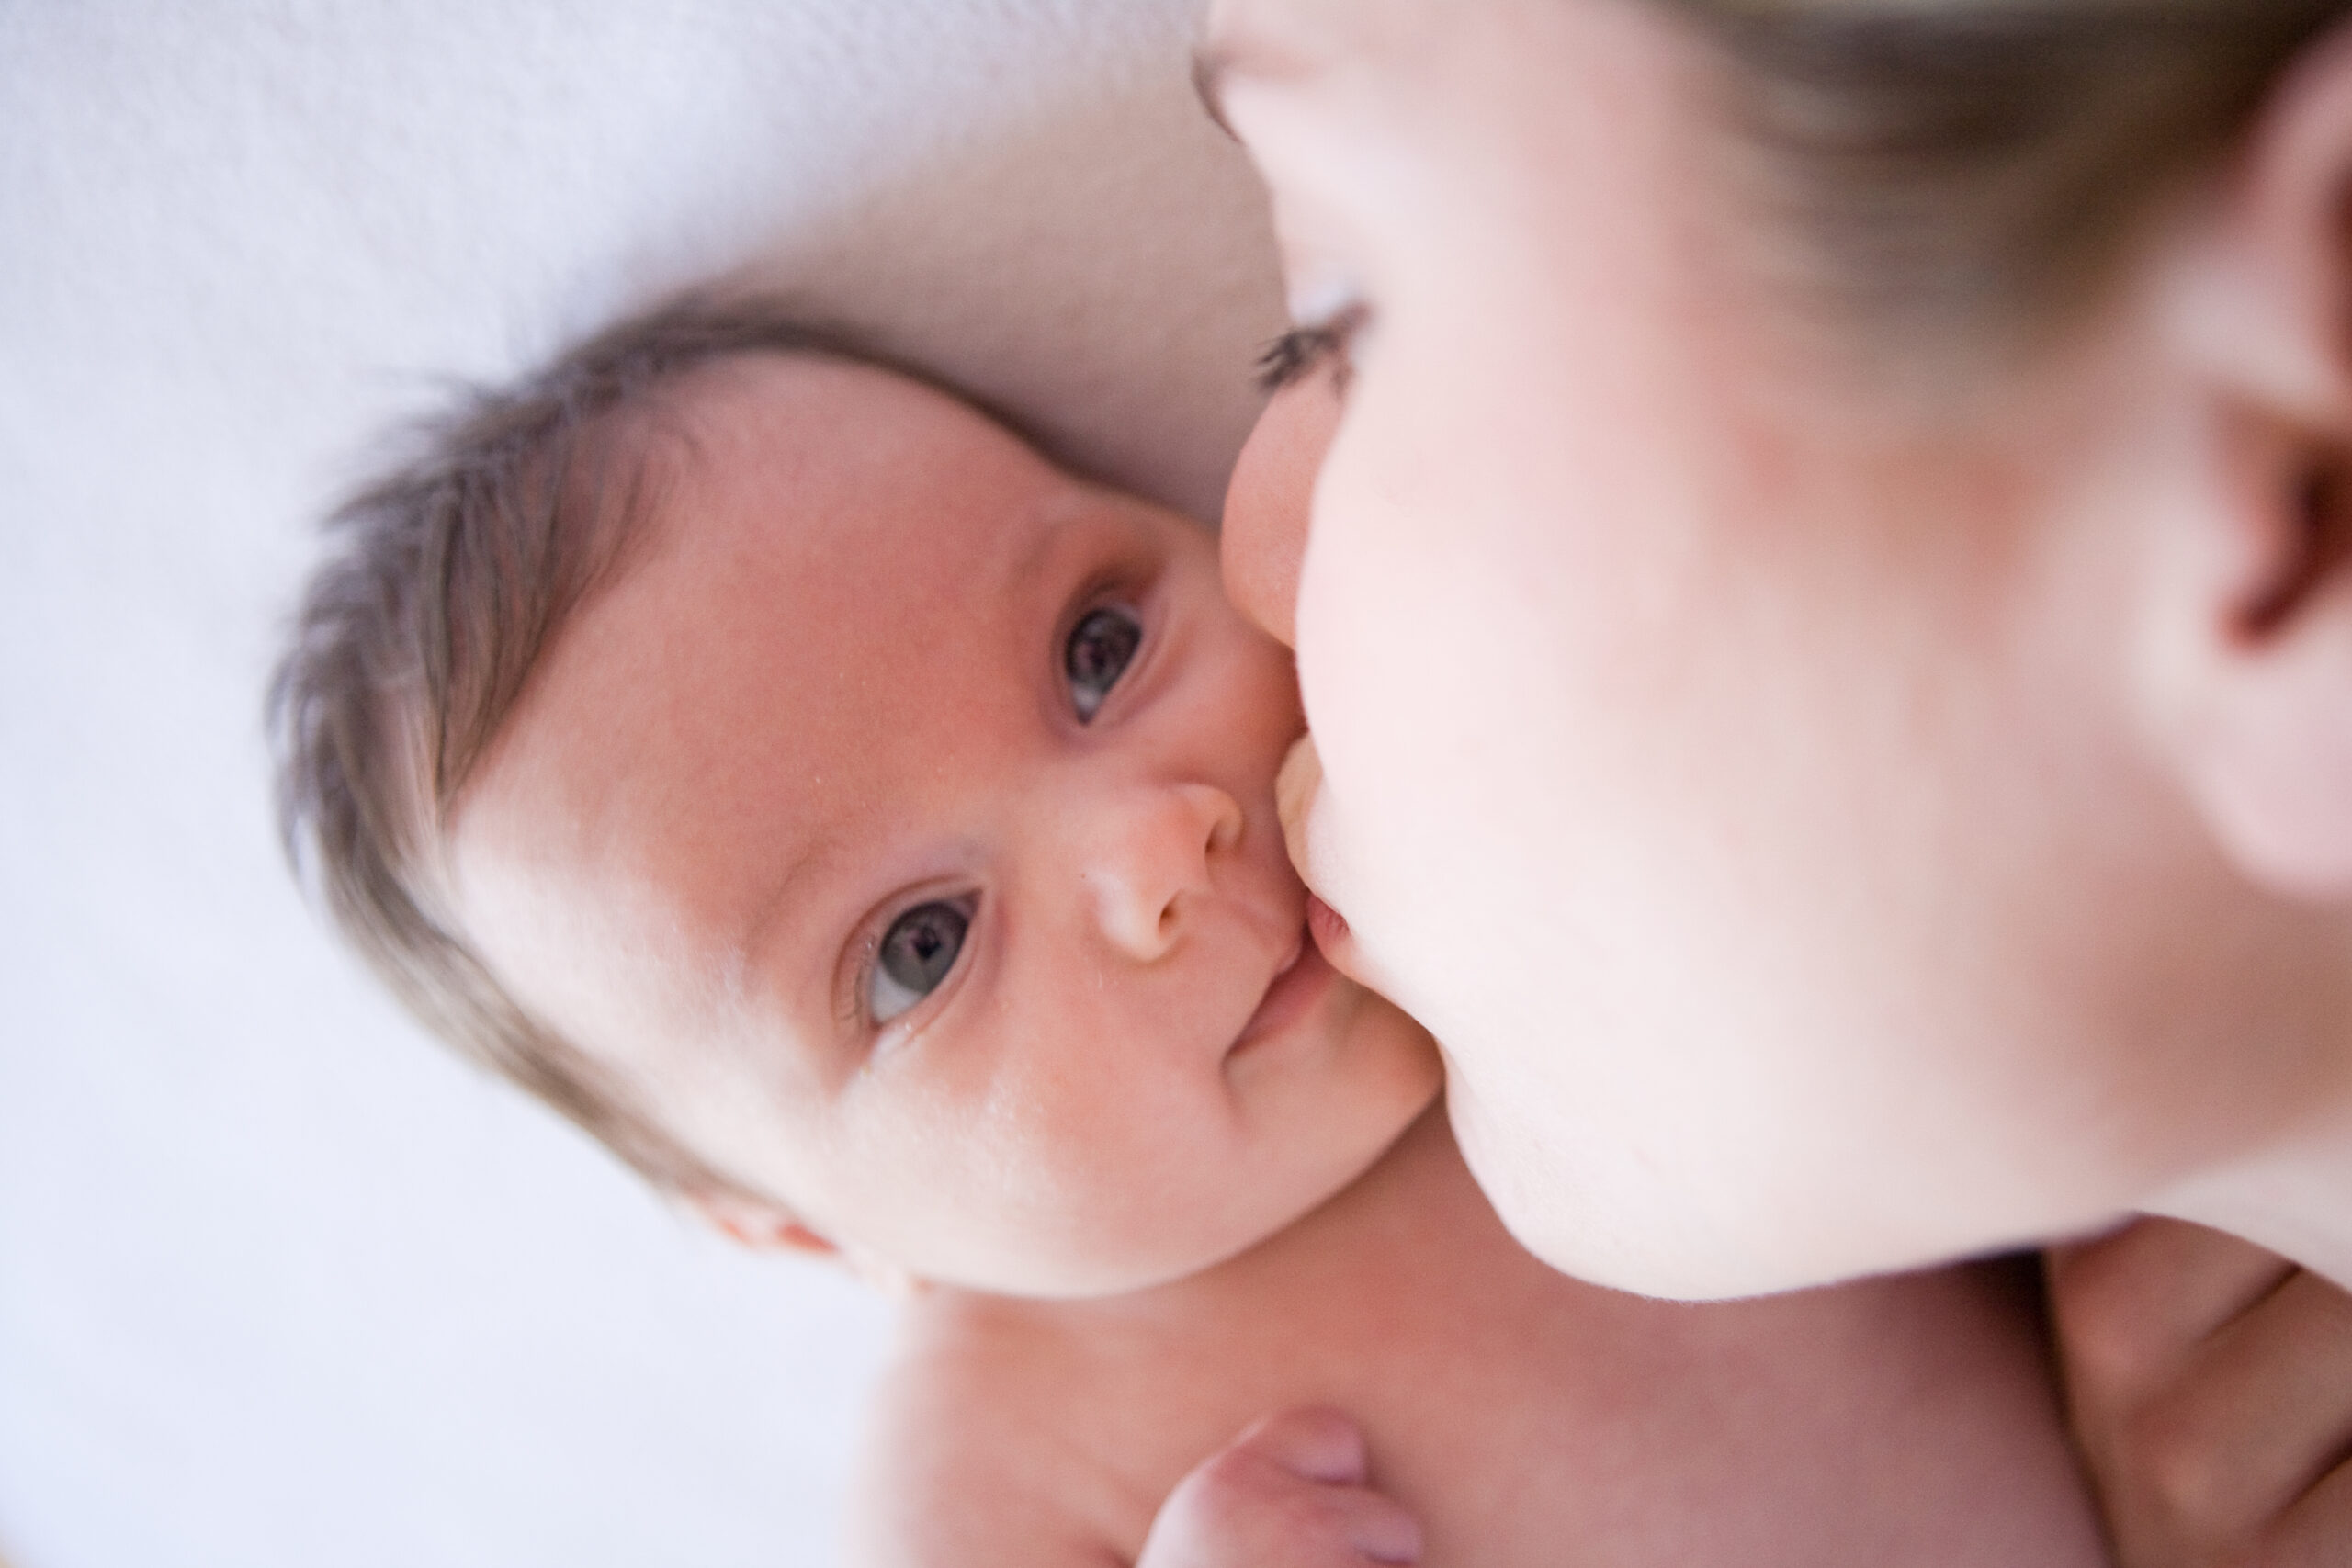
(1730, 772)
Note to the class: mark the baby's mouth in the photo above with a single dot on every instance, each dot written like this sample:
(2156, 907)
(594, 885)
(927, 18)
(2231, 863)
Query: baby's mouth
(1299, 983)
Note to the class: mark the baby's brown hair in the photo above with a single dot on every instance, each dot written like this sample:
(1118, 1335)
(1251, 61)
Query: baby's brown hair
(442, 583)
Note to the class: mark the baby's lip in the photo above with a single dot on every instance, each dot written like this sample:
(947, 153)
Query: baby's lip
(1302, 980)
(1298, 945)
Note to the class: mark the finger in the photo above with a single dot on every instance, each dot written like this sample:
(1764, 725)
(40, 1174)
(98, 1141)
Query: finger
(1323, 1447)
(1377, 1527)
(2317, 1531)
(2260, 1414)
(2131, 1306)
(1288, 1491)
(1215, 1520)
(1313, 1444)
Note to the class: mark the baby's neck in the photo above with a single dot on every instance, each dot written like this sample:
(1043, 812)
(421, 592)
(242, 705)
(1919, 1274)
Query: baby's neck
(1420, 1188)
(1509, 1406)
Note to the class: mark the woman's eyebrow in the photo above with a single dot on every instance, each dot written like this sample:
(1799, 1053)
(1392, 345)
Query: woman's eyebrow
(1218, 60)
(1210, 64)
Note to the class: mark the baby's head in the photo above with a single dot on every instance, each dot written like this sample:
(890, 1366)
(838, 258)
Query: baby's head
(864, 827)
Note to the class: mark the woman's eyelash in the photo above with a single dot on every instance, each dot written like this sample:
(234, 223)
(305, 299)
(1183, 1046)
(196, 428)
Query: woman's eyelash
(1299, 352)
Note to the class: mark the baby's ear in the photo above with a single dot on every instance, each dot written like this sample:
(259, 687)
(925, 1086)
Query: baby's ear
(757, 1224)
(2256, 693)
(752, 1222)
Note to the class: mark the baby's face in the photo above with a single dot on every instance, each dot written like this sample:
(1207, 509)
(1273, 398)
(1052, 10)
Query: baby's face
(899, 823)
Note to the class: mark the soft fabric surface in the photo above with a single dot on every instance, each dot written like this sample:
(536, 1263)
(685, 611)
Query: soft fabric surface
(279, 1283)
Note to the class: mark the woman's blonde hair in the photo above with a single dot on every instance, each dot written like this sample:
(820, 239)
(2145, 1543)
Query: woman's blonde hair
(1979, 165)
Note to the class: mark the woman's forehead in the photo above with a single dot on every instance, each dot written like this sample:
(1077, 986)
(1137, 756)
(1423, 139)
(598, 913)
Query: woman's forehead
(1279, 39)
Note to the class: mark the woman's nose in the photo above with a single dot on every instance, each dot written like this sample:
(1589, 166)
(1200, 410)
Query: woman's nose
(1272, 491)
(1150, 861)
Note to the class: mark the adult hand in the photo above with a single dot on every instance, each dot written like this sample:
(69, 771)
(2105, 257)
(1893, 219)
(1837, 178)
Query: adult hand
(2210, 1385)
(1291, 1492)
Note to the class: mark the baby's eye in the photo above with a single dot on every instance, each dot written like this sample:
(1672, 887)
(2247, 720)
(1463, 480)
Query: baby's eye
(916, 954)
(1099, 650)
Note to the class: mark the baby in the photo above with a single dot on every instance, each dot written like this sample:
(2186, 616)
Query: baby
(867, 829)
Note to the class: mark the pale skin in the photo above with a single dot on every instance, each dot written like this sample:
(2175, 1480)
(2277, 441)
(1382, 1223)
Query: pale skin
(1829, 830)
(2209, 1381)
(1144, 1166)
(783, 728)
(1535, 347)
(1500, 1413)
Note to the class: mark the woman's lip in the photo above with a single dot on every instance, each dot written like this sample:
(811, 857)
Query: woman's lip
(1298, 986)
(1327, 926)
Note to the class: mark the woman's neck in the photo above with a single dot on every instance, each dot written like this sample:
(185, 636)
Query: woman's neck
(2293, 1195)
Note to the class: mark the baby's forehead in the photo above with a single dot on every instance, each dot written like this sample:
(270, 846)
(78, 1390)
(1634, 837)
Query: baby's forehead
(848, 497)
(815, 431)
(830, 549)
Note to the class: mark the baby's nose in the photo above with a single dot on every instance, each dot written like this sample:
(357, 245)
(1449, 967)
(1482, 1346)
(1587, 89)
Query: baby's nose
(1151, 863)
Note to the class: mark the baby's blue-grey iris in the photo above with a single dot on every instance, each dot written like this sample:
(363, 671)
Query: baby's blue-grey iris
(1099, 646)
(921, 948)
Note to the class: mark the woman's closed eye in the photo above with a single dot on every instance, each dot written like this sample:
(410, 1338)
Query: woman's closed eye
(914, 956)
(1099, 650)
(1302, 351)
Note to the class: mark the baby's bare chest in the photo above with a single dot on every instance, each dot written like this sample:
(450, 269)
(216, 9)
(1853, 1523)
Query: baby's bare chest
(1529, 1420)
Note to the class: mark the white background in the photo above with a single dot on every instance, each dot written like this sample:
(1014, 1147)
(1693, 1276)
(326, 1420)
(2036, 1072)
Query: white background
(279, 1283)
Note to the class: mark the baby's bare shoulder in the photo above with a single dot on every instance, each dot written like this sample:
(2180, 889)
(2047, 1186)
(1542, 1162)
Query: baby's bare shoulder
(969, 1457)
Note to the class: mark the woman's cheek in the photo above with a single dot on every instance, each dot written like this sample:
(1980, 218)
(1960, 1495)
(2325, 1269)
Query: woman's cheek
(1259, 554)
(1263, 538)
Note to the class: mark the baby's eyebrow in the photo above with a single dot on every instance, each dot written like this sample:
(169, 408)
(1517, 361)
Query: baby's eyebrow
(785, 898)
(1057, 519)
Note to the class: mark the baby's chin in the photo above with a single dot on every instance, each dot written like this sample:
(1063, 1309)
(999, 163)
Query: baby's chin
(1391, 1077)
(1382, 1029)
(1403, 1081)
(1383, 1040)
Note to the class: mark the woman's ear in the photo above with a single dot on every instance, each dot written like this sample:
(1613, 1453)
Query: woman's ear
(2258, 679)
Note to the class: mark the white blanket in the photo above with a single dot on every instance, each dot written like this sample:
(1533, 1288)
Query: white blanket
(280, 1284)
